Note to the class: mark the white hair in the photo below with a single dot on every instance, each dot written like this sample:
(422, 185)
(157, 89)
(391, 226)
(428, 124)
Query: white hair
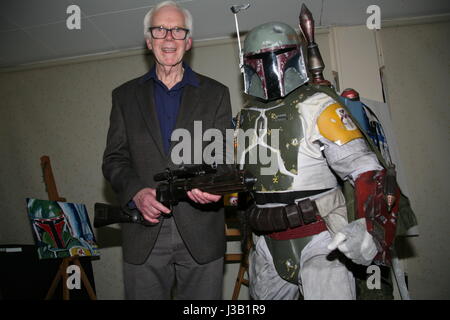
(149, 16)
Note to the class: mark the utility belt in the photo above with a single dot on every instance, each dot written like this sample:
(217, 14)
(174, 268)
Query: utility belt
(294, 224)
(281, 218)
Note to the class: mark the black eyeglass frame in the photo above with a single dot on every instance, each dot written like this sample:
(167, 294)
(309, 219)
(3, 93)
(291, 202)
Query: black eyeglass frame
(150, 29)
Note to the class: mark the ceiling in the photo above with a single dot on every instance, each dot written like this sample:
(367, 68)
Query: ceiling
(35, 30)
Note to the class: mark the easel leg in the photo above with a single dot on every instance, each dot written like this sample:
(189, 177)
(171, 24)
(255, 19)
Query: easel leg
(65, 265)
(61, 273)
(55, 282)
(237, 286)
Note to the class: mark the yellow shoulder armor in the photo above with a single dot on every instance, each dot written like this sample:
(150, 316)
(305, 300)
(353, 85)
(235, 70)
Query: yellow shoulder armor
(335, 124)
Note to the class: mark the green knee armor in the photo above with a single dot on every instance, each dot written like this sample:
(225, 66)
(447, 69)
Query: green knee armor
(286, 256)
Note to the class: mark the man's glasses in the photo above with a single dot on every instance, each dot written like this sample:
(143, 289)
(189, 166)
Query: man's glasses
(161, 32)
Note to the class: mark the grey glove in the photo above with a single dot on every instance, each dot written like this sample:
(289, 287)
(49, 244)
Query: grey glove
(355, 242)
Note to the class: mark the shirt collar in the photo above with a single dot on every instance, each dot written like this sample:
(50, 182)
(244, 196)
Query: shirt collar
(189, 76)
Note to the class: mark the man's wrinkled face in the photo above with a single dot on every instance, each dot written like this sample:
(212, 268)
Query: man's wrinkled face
(168, 51)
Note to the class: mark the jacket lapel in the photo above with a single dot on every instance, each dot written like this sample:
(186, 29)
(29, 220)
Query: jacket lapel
(147, 106)
(188, 111)
(188, 107)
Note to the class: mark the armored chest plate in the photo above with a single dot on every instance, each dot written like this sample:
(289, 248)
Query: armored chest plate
(271, 138)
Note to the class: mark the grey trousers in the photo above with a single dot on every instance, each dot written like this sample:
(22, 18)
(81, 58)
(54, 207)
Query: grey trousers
(170, 272)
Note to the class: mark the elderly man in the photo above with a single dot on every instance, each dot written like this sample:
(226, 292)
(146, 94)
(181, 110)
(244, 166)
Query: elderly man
(185, 244)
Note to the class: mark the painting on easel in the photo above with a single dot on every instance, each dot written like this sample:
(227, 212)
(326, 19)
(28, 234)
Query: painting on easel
(61, 229)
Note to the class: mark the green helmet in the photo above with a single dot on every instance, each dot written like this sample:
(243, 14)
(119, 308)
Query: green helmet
(273, 61)
(49, 223)
(44, 209)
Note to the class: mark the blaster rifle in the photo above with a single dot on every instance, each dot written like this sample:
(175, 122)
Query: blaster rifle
(173, 188)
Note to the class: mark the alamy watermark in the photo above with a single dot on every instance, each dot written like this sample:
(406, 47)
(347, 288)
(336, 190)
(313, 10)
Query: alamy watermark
(374, 280)
(73, 21)
(252, 146)
(374, 20)
(74, 279)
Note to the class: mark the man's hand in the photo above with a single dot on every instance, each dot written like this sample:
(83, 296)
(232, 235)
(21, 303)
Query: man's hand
(199, 196)
(355, 242)
(149, 207)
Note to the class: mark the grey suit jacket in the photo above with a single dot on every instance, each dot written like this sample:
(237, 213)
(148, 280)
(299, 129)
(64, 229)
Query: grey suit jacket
(134, 154)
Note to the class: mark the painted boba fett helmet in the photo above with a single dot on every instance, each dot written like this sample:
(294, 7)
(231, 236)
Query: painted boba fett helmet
(273, 61)
(49, 222)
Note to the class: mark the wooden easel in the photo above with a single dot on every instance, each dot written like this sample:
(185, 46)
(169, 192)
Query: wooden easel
(242, 258)
(62, 270)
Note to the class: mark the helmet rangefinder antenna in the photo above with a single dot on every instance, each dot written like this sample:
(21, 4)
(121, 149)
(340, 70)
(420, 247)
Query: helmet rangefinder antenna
(235, 9)
(315, 61)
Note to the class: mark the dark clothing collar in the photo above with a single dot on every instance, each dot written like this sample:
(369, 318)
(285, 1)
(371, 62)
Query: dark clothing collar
(189, 77)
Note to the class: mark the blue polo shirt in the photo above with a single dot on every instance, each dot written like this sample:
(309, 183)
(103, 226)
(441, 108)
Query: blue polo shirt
(168, 102)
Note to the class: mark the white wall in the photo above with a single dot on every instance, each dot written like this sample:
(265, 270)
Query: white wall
(416, 59)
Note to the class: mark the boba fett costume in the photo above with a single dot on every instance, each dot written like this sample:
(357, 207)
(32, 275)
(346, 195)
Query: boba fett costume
(300, 215)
